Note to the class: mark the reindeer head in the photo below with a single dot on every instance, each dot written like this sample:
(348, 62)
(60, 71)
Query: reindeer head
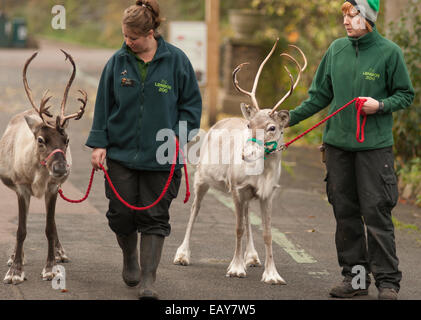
(266, 126)
(50, 136)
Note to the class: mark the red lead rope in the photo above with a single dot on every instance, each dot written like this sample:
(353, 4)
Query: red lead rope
(360, 138)
(360, 129)
(60, 191)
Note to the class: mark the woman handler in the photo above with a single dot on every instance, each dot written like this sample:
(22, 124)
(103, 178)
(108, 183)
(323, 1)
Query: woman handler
(146, 86)
(361, 181)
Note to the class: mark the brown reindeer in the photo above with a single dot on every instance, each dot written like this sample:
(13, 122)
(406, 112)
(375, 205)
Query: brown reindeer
(252, 171)
(34, 160)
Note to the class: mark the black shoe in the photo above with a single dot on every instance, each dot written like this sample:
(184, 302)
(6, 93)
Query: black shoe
(345, 290)
(150, 255)
(131, 269)
(387, 294)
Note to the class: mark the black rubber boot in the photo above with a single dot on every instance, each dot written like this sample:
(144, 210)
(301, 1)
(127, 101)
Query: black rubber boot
(131, 270)
(150, 255)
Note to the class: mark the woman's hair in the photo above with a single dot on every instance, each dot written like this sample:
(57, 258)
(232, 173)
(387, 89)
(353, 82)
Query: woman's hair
(142, 17)
(348, 7)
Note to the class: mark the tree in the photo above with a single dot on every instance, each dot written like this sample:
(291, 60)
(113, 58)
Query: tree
(406, 32)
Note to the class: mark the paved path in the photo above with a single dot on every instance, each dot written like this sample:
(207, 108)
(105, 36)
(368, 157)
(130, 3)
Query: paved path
(303, 222)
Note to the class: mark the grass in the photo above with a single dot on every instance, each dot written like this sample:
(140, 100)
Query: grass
(404, 226)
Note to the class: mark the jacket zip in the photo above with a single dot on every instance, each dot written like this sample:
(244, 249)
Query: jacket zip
(139, 78)
(355, 70)
(355, 80)
(142, 93)
(356, 49)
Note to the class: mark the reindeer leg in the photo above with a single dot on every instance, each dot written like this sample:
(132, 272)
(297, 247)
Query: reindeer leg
(15, 274)
(250, 255)
(60, 253)
(12, 258)
(237, 267)
(182, 255)
(50, 232)
(270, 275)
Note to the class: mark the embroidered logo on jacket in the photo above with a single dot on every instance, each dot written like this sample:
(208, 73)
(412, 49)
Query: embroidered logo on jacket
(163, 86)
(371, 75)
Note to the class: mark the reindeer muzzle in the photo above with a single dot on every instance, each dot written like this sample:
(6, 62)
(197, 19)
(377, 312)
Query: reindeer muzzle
(253, 152)
(59, 168)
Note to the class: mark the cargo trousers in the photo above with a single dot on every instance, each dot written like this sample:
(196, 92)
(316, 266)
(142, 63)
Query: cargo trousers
(140, 188)
(362, 188)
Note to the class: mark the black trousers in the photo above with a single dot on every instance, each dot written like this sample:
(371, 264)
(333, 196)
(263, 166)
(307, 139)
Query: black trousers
(140, 188)
(362, 188)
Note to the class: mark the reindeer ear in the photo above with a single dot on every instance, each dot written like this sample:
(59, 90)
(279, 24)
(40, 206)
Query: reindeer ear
(282, 117)
(248, 111)
(33, 124)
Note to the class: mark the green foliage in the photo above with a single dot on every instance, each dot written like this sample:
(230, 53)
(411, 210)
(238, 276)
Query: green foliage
(404, 226)
(410, 174)
(407, 34)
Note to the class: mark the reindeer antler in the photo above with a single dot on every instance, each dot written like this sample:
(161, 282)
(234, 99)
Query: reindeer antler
(252, 93)
(83, 100)
(42, 110)
(293, 85)
(79, 114)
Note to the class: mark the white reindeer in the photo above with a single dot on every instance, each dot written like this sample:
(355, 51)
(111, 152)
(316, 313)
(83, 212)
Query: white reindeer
(244, 179)
(34, 161)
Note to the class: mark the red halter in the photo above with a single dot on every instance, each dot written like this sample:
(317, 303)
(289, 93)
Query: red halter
(44, 162)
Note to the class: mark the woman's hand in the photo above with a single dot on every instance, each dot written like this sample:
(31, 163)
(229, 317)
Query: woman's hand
(98, 157)
(371, 106)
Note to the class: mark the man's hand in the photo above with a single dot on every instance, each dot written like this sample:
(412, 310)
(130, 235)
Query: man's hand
(98, 157)
(371, 106)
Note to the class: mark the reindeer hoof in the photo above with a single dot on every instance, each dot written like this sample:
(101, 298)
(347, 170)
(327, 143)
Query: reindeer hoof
(236, 274)
(236, 270)
(182, 261)
(14, 276)
(47, 274)
(62, 258)
(60, 255)
(182, 258)
(253, 261)
(273, 278)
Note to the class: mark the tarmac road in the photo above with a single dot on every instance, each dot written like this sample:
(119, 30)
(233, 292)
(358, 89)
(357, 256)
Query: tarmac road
(303, 221)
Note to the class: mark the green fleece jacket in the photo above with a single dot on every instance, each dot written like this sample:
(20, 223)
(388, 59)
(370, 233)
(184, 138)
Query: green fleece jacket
(129, 111)
(369, 66)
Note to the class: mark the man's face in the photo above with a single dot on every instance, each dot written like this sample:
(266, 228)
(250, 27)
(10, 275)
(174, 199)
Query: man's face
(354, 24)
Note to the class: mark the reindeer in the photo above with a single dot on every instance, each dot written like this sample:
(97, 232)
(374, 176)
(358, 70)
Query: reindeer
(34, 160)
(233, 177)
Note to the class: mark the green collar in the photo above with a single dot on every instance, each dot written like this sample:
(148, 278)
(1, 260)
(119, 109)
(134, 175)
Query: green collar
(161, 52)
(366, 40)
